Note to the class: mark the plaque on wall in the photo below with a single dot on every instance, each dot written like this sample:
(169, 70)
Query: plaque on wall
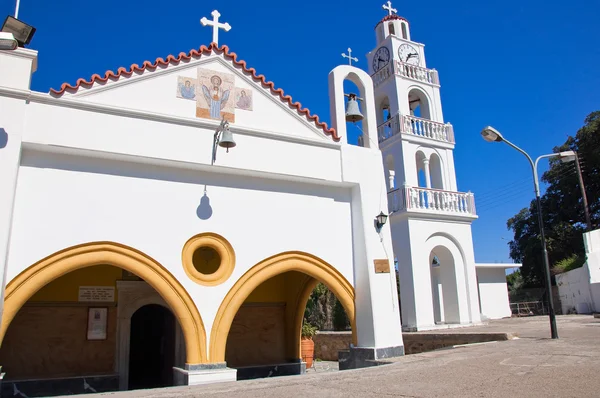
(97, 293)
(382, 266)
(97, 323)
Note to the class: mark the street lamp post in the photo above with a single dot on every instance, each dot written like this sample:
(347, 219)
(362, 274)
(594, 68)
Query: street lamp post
(490, 134)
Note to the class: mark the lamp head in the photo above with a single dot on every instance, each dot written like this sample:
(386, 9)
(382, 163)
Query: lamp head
(490, 134)
(567, 156)
(22, 32)
(380, 220)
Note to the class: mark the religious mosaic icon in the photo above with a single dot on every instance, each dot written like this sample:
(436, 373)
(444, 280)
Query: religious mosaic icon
(243, 99)
(381, 58)
(215, 97)
(186, 88)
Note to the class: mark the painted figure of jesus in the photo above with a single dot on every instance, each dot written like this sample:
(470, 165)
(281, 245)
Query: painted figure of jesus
(215, 97)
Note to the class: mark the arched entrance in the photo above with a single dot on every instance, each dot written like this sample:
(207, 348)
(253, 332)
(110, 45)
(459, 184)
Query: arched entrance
(31, 280)
(295, 275)
(151, 348)
(443, 285)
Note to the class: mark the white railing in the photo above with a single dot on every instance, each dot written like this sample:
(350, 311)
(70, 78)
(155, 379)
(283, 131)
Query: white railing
(406, 70)
(434, 200)
(427, 128)
(388, 129)
(416, 73)
(382, 75)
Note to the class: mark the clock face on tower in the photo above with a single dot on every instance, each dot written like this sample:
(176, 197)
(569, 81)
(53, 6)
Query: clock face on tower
(381, 58)
(408, 54)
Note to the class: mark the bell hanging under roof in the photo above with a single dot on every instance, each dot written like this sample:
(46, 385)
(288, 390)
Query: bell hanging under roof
(227, 139)
(353, 110)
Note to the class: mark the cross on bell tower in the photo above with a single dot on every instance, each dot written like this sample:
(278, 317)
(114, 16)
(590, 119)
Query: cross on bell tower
(388, 7)
(215, 25)
(350, 57)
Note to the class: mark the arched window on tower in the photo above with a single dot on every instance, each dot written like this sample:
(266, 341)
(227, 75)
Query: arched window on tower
(404, 32)
(391, 29)
(391, 172)
(355, 129)
(419, 105)
(437, 176)
(422, 173)
(384, 119)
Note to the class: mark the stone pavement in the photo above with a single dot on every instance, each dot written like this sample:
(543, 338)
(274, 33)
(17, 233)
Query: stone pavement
(531, 366)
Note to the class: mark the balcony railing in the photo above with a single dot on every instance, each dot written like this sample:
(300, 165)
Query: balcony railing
(417, 73)
(408, 71)
(431, 200)
(428, 129)
(390, 128)
(415, 126)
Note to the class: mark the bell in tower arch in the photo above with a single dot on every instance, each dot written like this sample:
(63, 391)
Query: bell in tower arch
(353, 110)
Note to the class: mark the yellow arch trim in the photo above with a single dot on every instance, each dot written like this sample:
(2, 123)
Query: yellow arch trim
(28, 282)
(266, 269)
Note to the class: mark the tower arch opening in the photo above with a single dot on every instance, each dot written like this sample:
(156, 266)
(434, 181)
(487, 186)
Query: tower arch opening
(404, 31)
(419, 104)
(391, 169)
(436, 170)
(422, 166)
(443, 286)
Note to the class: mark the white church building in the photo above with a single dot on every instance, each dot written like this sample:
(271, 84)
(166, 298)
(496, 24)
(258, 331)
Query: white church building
(165, 223)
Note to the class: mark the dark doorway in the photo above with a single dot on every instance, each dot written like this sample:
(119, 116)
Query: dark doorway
(151, 348)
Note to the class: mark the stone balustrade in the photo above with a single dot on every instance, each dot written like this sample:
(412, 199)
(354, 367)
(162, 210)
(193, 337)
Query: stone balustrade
(431, 200)
(409, 71)
(417, 73)
(415, 126)
(427, 128)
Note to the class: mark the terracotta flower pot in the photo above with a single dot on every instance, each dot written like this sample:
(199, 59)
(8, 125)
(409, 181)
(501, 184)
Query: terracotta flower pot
(307, 350)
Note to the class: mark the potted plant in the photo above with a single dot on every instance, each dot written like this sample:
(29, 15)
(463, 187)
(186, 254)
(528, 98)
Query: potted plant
(307, 345)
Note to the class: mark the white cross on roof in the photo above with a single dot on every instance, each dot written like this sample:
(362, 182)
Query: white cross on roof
(216, 25)
(389, 8)
(350, 57)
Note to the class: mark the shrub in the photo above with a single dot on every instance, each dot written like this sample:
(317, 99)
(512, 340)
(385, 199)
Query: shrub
(568, 264)
(308, 331)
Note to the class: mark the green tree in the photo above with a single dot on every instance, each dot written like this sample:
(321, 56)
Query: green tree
(325, 311)
(562, 207)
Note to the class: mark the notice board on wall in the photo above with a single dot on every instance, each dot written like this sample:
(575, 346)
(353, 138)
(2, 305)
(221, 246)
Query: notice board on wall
(97, 294)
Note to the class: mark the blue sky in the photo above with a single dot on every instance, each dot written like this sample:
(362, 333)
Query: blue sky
(529, 68)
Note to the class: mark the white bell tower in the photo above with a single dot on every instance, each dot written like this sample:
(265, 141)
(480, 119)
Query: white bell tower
(430, 220)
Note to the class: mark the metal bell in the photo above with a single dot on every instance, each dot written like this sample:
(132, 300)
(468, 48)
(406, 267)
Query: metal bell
(227, 139)
(353, 110)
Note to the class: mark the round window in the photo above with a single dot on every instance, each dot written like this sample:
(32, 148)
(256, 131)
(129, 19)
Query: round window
(208, 259)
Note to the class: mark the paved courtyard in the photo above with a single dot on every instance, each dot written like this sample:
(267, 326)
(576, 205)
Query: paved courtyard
(531, 366)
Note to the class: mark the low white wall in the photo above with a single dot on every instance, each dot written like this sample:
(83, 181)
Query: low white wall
(574, 291)
(579, 289)
(493, 292)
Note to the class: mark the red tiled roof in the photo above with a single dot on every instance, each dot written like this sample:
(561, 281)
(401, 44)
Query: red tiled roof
(392, 17)
(135, 68)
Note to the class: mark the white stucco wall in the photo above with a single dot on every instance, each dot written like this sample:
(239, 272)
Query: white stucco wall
(574, 291)
(413, 240)
(579, 289)
(493, 291)
(64, 200)
(131, 166)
